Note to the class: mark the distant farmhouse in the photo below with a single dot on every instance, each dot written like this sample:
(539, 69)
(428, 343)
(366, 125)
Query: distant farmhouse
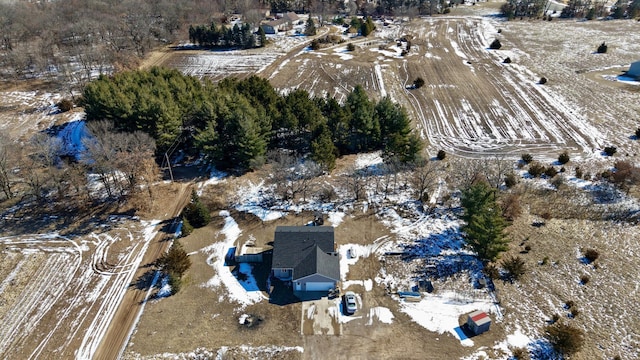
(634, 70)
(306, 257)
(282, 23)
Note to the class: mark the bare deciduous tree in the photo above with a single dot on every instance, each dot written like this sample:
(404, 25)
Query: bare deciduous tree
(293, 177)
(423, 177)
(8, 161)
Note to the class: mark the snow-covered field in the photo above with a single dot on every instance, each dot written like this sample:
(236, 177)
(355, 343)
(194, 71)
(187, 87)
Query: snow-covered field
(58, 293)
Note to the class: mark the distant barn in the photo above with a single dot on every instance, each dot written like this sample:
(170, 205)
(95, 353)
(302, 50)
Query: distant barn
(478, 322)
(634, 70)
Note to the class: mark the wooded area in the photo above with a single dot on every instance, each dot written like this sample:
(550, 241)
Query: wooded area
(235, 122)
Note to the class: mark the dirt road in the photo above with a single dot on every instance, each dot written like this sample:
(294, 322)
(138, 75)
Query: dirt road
(125, 318)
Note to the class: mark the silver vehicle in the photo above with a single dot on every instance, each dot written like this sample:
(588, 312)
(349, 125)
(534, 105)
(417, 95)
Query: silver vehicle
(350, 302)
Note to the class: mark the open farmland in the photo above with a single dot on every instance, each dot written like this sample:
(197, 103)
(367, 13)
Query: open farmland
(58, 293)
(472, 104)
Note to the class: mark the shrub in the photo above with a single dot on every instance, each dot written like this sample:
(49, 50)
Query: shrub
(578, 172)
(446, 10)
(542, 81)
(491, 271)
(315, 44)
(495, 45)
(526, 158)
(584, 279)
(546, 215)
(519, 353)
(441, 155)
(574, 312)
(351, 47)
(65, 105)
(514, 267)
(557, 182)
(569, 304)
(563, 158)
(610, 150)
(510, 180)
(591, 255)
(554, 318)
(527, 248)
(544, 261)
(550, 171)
(564, 338)
(511, 208)
(602, 48)
(536, 169)
(637, 133)
(418, 83)
(507, 60)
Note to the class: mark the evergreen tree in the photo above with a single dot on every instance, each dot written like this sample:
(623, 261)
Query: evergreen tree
(397, 141)
(367, 27)
(196, 213)
(364, 126)
(484, 226)
(338, 122)
(175, 261)
(242, 144)
(263, 36)
(310, 29)
(322, 149)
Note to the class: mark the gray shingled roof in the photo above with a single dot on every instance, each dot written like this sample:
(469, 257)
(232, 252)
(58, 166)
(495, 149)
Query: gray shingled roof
(307, 250)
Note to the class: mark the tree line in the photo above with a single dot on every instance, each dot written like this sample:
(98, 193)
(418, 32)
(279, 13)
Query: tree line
(213, 36)
(589, 9)
(235, 122)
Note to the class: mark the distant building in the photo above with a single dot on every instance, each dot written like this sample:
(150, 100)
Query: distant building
(306, 257)
(268, 29)
(634, 70)
(478, 322)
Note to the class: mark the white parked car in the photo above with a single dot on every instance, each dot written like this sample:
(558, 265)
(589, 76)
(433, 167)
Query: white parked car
(350, 302)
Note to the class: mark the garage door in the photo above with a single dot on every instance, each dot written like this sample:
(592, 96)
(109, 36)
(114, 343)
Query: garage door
(319, 286)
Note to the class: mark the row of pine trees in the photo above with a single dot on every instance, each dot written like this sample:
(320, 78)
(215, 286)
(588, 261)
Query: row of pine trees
(235, 122)
(213, 36)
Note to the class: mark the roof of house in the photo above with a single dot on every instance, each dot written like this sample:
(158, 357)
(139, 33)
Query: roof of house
(307, 250)
(479, 317)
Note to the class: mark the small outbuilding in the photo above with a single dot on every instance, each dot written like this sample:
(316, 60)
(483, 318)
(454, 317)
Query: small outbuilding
(634, 70)
(478, 322)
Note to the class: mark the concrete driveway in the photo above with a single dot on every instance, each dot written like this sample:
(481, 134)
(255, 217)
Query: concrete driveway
(320, 317)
